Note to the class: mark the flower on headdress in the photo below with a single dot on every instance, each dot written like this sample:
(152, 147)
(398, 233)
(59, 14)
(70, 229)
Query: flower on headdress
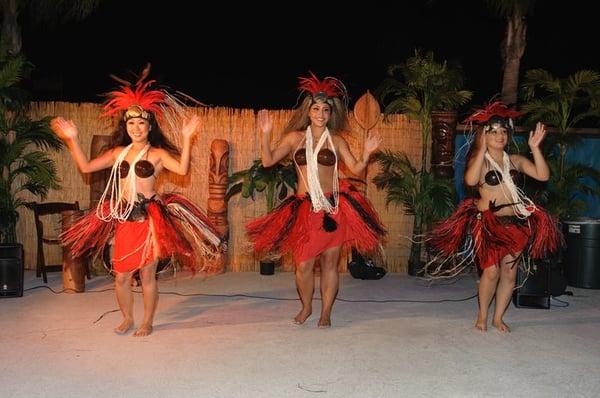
(496, 108)
(329, 87)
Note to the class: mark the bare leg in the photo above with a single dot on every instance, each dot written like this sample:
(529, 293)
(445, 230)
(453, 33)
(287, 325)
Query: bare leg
(508, 276)
(330, 283)
(305, 284)
(125, 300)
(150, 294)
(487, 288)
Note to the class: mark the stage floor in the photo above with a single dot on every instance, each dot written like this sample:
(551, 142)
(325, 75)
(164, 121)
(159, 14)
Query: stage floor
(212, 338)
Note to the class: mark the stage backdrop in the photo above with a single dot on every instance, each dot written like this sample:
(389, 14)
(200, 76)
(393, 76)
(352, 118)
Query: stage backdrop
(237, 126)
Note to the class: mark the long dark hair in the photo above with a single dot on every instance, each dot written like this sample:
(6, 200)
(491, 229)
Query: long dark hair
(156, 137)
(338, 121)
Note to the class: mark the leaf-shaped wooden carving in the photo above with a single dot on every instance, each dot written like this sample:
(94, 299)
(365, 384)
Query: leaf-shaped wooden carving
(367, 111)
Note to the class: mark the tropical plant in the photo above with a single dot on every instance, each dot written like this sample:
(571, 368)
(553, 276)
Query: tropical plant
(419, 192)
(24, 162)
(274, 181)
(514, 42)
(564, 103)
(420, 86)
(417, 88)
(44, 12)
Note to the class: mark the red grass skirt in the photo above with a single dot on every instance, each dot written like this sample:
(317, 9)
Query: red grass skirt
(133, 247)
(170, 227)
(494, 237)
(293, 227)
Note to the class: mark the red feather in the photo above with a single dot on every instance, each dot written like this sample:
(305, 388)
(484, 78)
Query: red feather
(123, 98)
(496, 108)
(331, 86)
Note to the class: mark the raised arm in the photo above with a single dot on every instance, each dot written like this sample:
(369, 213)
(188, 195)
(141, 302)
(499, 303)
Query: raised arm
(269, 156)
(67, 131)
(358, 166)
(182, 165)
(475, 163)
(537, 169)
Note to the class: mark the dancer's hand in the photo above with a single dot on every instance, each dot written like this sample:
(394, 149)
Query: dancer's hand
(372, 142)
(190, 126)
(265, 124)
(64, 129)
(482, 142)
(537, 136)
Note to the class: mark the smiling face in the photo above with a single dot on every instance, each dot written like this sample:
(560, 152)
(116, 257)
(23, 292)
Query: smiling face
(319, 114)
(138, 129)
(496, 137)
(497, 132)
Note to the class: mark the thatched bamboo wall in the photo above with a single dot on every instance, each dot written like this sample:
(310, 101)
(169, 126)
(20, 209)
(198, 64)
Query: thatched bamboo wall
(237, 126)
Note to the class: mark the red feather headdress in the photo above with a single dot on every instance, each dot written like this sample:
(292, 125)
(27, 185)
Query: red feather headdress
(329, 87)
(496, 108)
(136, 99)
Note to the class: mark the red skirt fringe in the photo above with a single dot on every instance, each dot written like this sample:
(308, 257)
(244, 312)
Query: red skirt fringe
(174, 227)
(294, 228)
(493, 239)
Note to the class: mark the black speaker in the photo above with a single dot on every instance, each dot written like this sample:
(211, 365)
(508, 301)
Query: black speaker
(11, 270)
(535, 290)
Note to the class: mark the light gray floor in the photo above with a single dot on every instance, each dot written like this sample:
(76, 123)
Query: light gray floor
(52, 346)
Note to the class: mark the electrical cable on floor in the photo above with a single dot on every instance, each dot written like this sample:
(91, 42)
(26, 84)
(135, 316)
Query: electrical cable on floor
(66, 290)
(262, 297)
(563, 304)
(106, 313)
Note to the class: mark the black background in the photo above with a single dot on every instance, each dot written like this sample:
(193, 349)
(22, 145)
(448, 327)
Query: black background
(239, 56)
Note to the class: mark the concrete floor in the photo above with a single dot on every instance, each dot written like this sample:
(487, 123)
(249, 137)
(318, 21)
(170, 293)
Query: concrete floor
(207, 344)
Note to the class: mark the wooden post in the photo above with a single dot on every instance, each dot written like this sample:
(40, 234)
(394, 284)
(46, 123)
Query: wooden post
(73, 268)
(217, 187)
(443, 130)
(217, 184)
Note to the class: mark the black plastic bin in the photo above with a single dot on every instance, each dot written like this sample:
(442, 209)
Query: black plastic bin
(582, 257)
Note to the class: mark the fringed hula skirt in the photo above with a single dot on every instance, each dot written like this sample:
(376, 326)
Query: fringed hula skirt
(292, 227)
(487, 238)
(157, 229)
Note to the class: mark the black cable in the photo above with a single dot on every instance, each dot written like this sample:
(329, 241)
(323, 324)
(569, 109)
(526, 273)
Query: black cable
(408, 301)
(65, 290)
(262, 297)
(106, 313)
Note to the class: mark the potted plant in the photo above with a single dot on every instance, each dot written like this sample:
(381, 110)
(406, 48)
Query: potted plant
(421, 194)
(418, 88)
(276, 182)
(24, 162)
(564, 103)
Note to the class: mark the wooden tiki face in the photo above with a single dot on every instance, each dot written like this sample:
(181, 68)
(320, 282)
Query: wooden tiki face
(219, 162)
(217, 183)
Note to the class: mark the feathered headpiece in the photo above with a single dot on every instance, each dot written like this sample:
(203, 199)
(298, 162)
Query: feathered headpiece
(323, 90)
(137, 100)
(496, 108)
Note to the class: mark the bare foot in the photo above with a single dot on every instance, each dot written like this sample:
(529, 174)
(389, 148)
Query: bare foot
(324, 322)
(124, 326)
(143, 330)
(302, 316)
(481, 324)
(501, 326)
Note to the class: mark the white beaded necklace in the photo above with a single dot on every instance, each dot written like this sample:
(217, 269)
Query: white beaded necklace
(317, 197)
(122, 194)
(523, 205)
